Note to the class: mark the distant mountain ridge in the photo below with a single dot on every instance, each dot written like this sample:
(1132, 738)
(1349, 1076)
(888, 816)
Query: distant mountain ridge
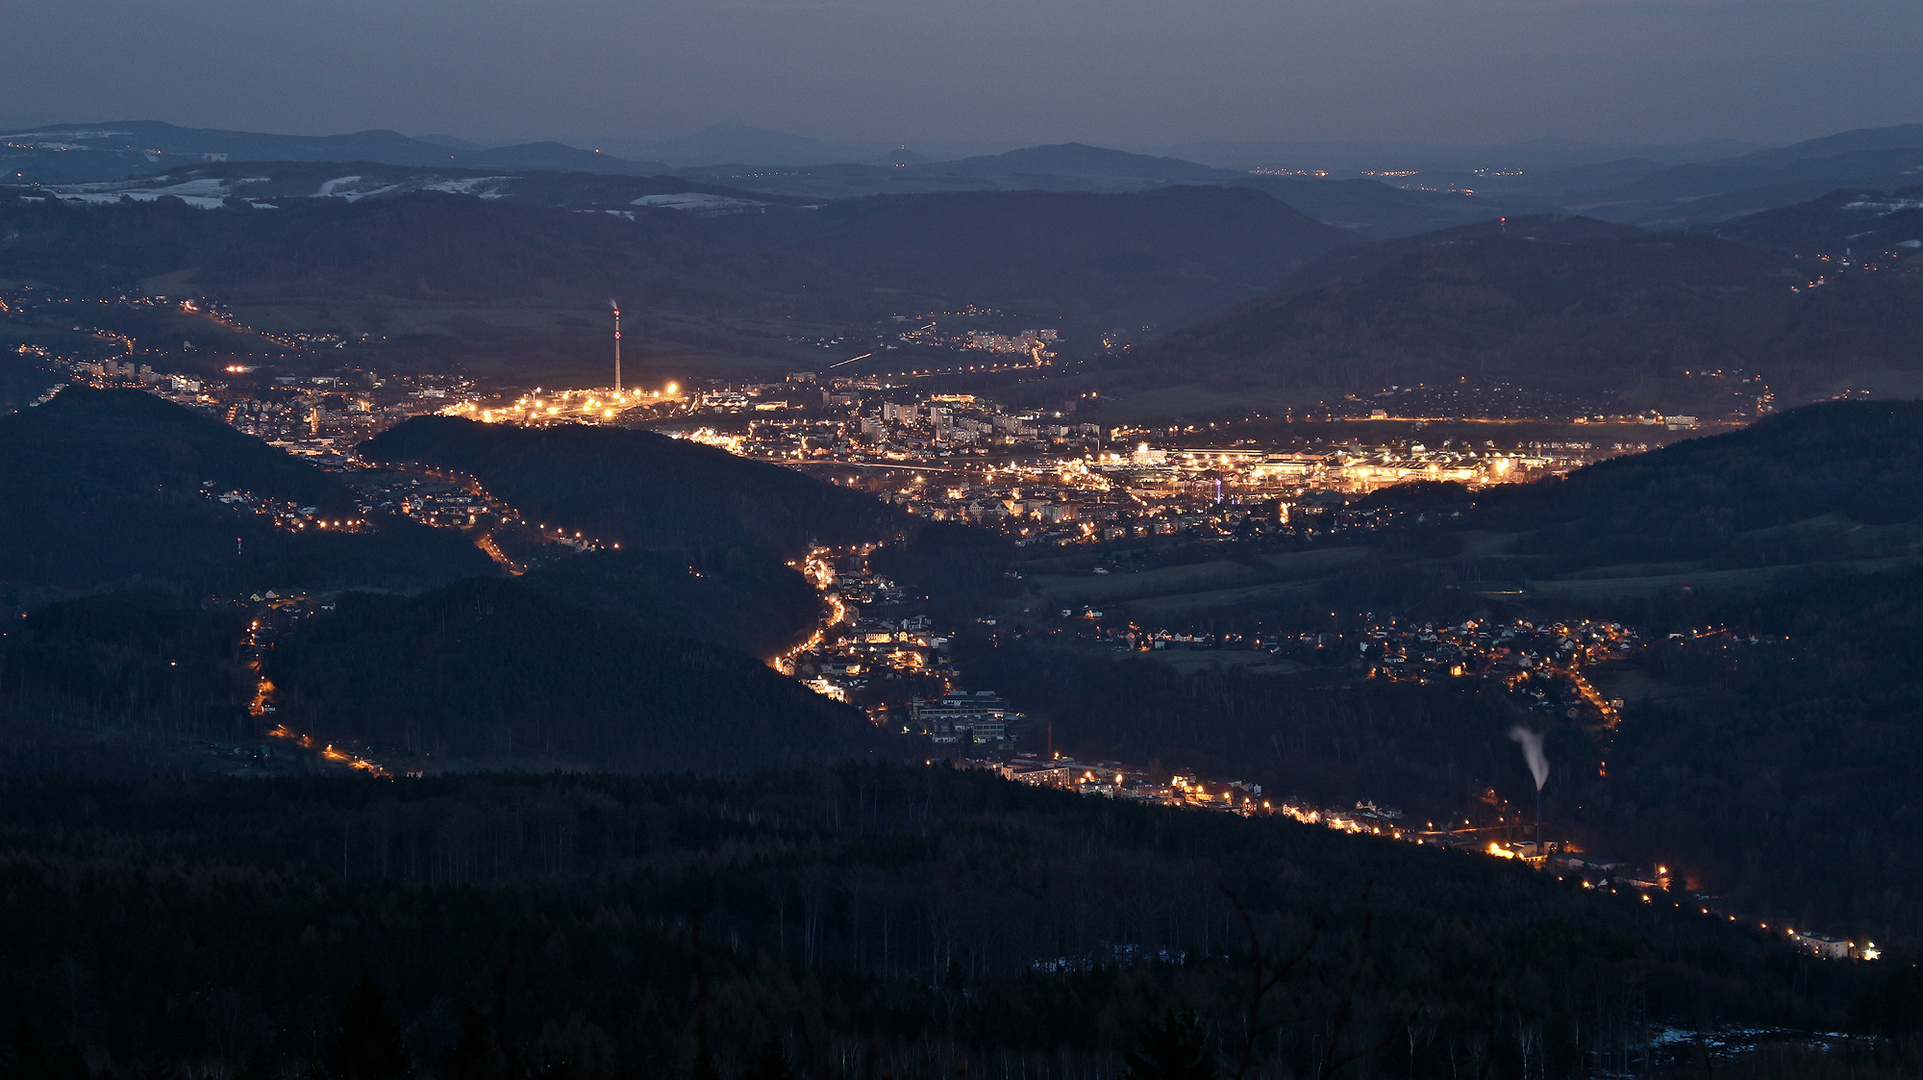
(737, 143)
(1561, 303)
(1843, 222)
(1658, 184)
(87, 153)
(1087, 262)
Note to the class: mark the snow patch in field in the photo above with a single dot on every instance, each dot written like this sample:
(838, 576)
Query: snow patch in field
(1890, 207)
(698, 203)
(72, 133)
(486, 187)
(206, 193)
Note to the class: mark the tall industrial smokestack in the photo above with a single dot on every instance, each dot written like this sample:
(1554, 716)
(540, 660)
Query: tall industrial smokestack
(1538, 770)
(617, 343)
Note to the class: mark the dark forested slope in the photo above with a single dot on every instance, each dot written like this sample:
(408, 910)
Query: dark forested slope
(640, 489)
(1088, 258)
(743, 599)
(1076, 258)
(103, 486)
(1548, 304)
(135, 662)
(1778, 753)
(873, 920)
(1850, 221)
(421, 247)
(491, 671)
(1731, 496)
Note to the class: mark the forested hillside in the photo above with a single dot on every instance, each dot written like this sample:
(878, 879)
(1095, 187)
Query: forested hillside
(868, 919)
(489, 672)
(111, 684)
(1748, 497)
(742, 599)
(1782, 751)
(1548, 304)
(107, 486)
(640, 489)
(422, 247)
(521, 276)
(1865, 224)
(1164, 256)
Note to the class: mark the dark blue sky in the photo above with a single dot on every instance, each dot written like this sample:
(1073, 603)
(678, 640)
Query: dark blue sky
(977, 74)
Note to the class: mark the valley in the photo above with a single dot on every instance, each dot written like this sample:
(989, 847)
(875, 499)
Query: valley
(993, 602)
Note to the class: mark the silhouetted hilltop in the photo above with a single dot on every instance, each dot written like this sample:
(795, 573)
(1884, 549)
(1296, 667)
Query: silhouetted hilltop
(1864, 223)
(1548, 304)
(640, 489)
(84, 153)
(742, 599)
(1163, 255)
(104, 486)
(1083, 160)
(136, 663)
(1732, 496)
(488, 671)
(425, 246)
(1368, 209)
(1711, 191)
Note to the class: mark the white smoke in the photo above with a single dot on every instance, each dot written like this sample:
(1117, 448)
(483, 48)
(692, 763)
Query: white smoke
(1532, 749)
(614, 304)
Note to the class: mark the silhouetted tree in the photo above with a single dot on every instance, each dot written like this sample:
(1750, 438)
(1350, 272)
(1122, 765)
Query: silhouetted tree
(1173, 1048)
(771, 1064)
(367, 1045)
(27, 1054)
(156, 1069)
(259, 1064)
(477, 1052)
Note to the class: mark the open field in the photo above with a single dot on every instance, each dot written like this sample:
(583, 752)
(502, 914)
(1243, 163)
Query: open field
(1595, 586)
(1119, 587)
(1293, 565)
(1166, 609)
(1252, 661)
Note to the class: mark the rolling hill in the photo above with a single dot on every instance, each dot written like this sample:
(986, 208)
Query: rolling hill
(487, 672)
(112, 486)
(733, 597)
(1552, 304)
(509, 273)
(1085, 259)
(1709, 191)
(856, 911)
(115, 150)
(1848, 221)
(640, 489)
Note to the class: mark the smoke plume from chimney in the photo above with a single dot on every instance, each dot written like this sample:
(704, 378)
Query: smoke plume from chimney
(1532, 749)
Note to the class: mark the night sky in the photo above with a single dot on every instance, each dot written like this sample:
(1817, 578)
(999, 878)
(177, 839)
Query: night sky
(977, 75)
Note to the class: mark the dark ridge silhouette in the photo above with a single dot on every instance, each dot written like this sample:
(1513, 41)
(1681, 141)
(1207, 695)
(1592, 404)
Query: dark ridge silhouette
(487, 671)
(619, 924)
(640, 489)
(1546, 303)
(741, 598)
(106, 486)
